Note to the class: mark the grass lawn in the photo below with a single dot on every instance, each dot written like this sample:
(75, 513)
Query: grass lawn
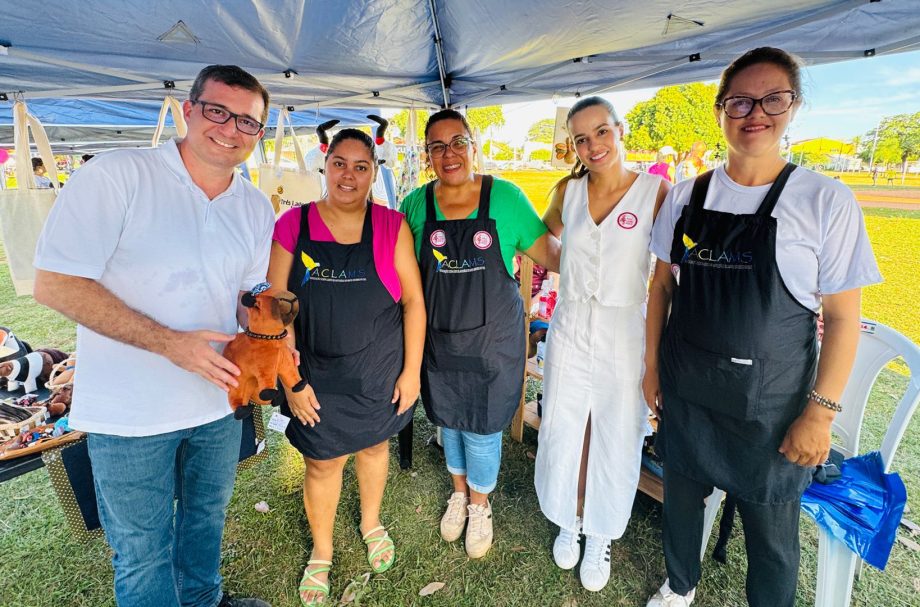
(264, 554)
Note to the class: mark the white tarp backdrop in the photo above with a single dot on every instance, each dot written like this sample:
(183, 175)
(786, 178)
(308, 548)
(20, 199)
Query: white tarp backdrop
(356, 53)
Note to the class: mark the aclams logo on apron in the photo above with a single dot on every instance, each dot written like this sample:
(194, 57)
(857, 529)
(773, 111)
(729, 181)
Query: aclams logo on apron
(316, 272)
(447, 265)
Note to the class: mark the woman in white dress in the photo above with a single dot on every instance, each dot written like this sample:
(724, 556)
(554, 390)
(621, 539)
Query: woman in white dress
(594, 418)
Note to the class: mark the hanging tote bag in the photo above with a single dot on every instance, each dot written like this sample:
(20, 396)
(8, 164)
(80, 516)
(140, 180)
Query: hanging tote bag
(171, 105)
(23, 211)
(288, 188)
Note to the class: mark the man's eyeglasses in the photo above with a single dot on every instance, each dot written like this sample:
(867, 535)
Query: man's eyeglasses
(773, 104)
(220, 115)
(457, 144)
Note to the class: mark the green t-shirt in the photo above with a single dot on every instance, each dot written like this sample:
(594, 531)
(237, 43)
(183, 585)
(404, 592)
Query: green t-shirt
(517, 222)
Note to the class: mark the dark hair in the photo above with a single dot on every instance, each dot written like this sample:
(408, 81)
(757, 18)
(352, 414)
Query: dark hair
(578, 169)
(447, 114)
(356, 135)
(787, 62)
(230, 75)
(86, 157)
(37, 162)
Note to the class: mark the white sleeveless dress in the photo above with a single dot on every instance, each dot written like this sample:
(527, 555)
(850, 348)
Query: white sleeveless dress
(594, 361)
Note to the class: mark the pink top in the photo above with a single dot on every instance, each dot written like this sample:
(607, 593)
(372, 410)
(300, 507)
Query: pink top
(662, 169)
(386, 224)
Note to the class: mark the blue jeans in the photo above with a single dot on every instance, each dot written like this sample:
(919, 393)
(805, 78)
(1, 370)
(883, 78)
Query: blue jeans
(166, 556)
(476, 455)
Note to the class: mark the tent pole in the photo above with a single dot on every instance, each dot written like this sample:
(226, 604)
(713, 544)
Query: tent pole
(439, 49)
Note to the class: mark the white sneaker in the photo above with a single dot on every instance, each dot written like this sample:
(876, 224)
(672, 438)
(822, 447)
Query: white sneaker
(454, 517)
(595, 567)
(665, 597)
(478, 530)
(565, 548)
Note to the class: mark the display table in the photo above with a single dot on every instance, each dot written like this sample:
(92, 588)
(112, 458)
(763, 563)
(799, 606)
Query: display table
(71, 473)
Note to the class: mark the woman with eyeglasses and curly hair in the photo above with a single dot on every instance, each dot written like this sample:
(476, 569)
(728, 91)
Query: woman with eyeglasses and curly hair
(467, 228)
(747, 256)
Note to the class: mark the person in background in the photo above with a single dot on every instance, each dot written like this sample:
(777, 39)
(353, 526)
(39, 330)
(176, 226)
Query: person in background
(747, 256)
(467, 228)
(40, 174)
(664, 165)
(594, 420)
(177, 238)
(692, 165)
(360, 333)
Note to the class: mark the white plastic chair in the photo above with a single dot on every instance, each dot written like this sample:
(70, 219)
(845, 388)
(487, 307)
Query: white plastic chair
(878, 345)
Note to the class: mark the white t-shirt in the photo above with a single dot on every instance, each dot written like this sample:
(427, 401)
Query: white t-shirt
(821, 241)
(136, 222)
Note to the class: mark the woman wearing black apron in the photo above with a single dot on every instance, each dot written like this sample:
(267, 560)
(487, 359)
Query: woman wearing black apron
(360, 335)
(747, 254)
(467, 228)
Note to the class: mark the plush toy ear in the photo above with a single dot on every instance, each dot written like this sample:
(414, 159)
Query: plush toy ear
(248, 299)
(287, 306)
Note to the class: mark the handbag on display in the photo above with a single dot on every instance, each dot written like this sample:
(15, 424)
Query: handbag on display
(170, 105)
(288, 188)
(23, 211)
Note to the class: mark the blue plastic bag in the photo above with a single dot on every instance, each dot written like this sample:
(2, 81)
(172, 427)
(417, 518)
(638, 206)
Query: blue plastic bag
(862, 508)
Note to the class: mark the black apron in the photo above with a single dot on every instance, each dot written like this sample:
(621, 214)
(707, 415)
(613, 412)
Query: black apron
(350, 336)
(473, 368)
(738, 356)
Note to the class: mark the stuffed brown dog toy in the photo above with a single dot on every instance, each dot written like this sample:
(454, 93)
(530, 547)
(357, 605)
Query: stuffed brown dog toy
(261, 352)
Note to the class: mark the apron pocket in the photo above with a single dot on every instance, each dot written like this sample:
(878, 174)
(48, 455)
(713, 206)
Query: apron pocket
(337, 375)
(459, 351)
(726, 385)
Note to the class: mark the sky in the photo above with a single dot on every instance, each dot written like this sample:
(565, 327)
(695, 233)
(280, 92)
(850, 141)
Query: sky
(842, 100)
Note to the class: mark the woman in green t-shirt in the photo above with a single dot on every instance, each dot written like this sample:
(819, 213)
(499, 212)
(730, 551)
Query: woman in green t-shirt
(467, 228)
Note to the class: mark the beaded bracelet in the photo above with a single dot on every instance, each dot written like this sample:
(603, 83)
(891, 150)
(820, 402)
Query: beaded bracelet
(825, 401)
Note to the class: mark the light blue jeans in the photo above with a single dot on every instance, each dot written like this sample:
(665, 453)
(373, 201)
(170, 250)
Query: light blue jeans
(478, 456)
(162, 502)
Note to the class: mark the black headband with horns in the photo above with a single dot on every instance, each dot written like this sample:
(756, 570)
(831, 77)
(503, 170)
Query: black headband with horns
(382, 125)
(323, 137)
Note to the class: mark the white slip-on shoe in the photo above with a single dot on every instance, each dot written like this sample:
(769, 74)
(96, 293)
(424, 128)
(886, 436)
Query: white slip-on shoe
(665, 597)
(478, 530)
(595, 567)
(454, 518)
(566, 549)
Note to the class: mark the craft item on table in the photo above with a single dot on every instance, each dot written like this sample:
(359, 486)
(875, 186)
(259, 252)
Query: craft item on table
(19, 415)
(38, 439)
(62, 426)
(62, 373)
(11, 346)
(60, 401)
(261, 351)
(24, 372)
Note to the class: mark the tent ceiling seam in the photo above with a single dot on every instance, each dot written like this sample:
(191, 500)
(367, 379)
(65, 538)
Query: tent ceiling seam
(439, 53)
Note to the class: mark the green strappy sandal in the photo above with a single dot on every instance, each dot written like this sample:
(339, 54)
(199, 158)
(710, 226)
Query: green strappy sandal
(383, 543)
(309, 582)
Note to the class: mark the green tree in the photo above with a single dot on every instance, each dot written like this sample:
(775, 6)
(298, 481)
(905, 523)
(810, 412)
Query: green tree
(542, 131)
(898, 140)
(497, 150)
(401, 119)
(481, 118)
(676, 116)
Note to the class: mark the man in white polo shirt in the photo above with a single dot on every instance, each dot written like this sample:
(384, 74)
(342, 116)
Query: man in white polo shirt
(149, 251)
